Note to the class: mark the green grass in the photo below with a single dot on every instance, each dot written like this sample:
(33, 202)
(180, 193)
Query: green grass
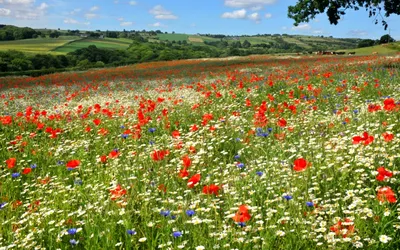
(107, 43)
(38, 45)
(173, 37)
(388, 49)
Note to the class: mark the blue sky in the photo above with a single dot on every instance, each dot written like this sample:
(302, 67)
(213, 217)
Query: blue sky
(231, 17)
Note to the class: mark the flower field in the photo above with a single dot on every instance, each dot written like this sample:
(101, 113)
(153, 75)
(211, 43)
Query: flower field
(254, 153)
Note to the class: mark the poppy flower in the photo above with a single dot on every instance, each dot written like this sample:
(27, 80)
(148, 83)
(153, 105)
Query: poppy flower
(97, 122)
(6, 120)
(242, 214)
(175, 134)
(73, 164)
(387, 137)
(117, 192)
(11, 162)
(183, 173)
(389, 104)
(193, 180)
(159, 155)
(103, 159)
(366, 139)
(386, 194)
(211, 189)
(300, 165)
(383, 173)
(194, 128)
(282, 123)
(26, 171)
(339, 227)
(186, 161)
(113, 154)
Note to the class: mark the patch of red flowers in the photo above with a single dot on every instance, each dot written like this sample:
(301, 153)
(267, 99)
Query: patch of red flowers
(159, 155)
(386, 194)
(211, 189)
(366, 139)
(346, 226)
(387, 137)
(11, 162)
(300, 165)
(193, 180)
(117, 192)
(73, 164)
(242, 215)
(383, 173)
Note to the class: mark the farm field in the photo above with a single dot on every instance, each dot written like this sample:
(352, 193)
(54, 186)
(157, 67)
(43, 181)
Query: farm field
(384, 49)
(106, 43)
(256, 152)
(37, 45)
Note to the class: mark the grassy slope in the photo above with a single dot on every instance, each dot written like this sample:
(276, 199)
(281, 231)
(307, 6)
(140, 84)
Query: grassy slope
(38, 45)
(381, 49)
(108, 43)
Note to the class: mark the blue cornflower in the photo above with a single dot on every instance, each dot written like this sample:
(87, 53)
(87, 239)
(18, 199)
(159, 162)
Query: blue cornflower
(131, 232)
(177, 234)
(238, 139)
(259, 173)
(124, 136)
(15, 175)
(310, 204)
(60, 163)
(2, 205)
(173, 217)
(73, 242)
(240, 165)
(72, 231)
(151, 142)
(122, 126)
(355, 111)
(241, 224)
(165, 213)
(288, 197)
(236, 157)
(269, 130)
(344, 123)
(190, 213)
(33, 166)
(152, 130)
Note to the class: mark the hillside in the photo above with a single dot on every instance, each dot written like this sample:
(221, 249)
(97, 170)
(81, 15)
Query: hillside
(383, 49)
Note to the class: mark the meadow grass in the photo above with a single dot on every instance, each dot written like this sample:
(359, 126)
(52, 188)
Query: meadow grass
(107, 43)
(252, 153)
(37, 45)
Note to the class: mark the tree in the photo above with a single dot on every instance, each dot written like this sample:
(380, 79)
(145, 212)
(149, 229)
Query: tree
(304, 10)
(386, 39)
(246, 44)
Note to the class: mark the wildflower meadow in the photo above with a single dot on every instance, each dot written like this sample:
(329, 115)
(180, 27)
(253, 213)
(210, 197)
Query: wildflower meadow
(253, 153)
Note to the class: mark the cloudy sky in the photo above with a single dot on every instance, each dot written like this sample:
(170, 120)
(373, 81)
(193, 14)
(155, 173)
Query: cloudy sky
(232, 17)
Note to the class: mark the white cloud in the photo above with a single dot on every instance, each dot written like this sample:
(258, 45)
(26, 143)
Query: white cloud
(70, 21)
(120, 19)
(304, 26)
(268, 15)
(318, 32)
(75, 11)
(5, 12)
(132, 3)
(254, 17)
(94, 8)
(160, 13)
(248, 4)
(157, 24)
(126, 23)
(90, 15)
(23, 9)
(237, 14)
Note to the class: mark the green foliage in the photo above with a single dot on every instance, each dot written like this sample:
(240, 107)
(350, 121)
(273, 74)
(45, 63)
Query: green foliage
(386, 39)
(304, 10)
(367, 43)
(9, 33)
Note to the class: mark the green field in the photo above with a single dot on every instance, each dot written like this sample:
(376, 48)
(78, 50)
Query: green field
(173, 37)
(385, 49)
(106, 43)
(38, 45)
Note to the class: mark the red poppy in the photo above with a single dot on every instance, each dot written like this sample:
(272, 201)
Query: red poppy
(175, 134)
(183, 173)
(382, 173)
(194, 128)
(366, 139)
(282, 123)
(26, 171)
(389, 104)
(193, 180)
(339, 227)
(211, 189)
(186, 161)
(6, 120)
(97, 122)
(103, 159)
(117, 192)
(11, 162)
(386, 194)
(387, 136)
(299, 165)
(242, 215)
(159, 155)
(73, 164)
(113, 154)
